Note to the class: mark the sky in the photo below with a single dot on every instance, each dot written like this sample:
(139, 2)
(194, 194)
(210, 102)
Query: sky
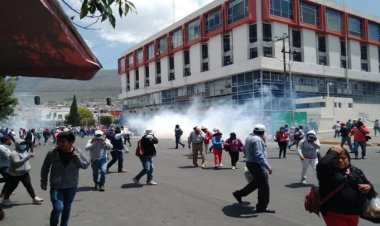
(150, 17)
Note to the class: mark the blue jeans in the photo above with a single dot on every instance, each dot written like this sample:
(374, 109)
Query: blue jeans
(362, 145)
(61, 200)
(99, 166)
(147, 163)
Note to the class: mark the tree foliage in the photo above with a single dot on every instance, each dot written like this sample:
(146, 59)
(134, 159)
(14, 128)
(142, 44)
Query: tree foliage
(7, 101)
(103, 9)
(73, 117)
(86, 117)
(106, 120)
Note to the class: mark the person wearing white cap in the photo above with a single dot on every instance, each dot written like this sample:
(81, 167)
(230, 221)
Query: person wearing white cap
(98, 147)
(148, 142)
(308, 149)
(258, 166)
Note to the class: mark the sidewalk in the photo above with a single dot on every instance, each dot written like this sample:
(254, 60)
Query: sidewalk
(326, 137)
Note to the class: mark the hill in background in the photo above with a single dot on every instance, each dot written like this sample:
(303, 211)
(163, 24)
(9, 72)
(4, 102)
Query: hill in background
(104, 84)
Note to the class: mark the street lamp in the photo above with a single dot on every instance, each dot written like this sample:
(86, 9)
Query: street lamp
(328, 88)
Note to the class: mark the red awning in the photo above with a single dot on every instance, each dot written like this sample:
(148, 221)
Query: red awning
(38, 40)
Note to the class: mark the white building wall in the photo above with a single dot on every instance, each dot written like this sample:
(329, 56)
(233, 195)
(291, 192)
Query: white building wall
(123, 80)
(333, 48)
(178, 66)
(354, 53)
(309, 46)
(195, 59)
(215, 52)
(141, 77)
(373, 58)
(164, 70)
(240, 42)
(132, 77)
(152, 73)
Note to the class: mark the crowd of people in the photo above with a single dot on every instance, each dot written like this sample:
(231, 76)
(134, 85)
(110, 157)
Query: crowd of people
(61, 165)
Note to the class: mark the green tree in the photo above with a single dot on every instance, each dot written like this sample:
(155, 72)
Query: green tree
(73, 117)
(102, 10)
(106, 120)
(7, 101)
(86, 117)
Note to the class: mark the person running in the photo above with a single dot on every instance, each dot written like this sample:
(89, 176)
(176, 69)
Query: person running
(63, 164)
(5, 152)
(217, 143)
(147, 142)
(360, 132)
(376, 126)
(308, 152)
(344, 134)
(19, 168)
(178, 133)
(259, 167)
(282, 138)
(233, 145)
(46, 135)
(117, 152)
(98, 147)
(208, 137)
(195, 142)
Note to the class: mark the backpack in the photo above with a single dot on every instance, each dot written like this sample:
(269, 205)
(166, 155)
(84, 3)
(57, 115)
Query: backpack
(313, 199)
(139, 149)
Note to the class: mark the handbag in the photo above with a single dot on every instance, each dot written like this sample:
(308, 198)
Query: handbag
(371, 210)
(367, 137)
(139, 149)
(313, 199)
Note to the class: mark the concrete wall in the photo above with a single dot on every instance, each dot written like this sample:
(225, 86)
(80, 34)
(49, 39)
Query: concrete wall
(309, 42)
(333, 47)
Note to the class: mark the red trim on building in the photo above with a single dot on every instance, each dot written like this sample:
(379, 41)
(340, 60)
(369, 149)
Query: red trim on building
(178, 48)
(158, 54)
(146, 52)
(250, 18)
(317, 28)
(218, 30)
(187, 43)
(120, 71)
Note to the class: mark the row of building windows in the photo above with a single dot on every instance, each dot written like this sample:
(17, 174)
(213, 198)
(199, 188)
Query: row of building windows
(236, 10)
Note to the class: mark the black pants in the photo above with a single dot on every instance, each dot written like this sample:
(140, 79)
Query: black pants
(4, 180)
(116, 156)
(234, 157)
(260, 182)
(178, 141)
(282, 146)
(13, 183)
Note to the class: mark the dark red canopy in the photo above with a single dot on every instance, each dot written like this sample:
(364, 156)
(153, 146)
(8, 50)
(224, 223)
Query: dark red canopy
(38, 40)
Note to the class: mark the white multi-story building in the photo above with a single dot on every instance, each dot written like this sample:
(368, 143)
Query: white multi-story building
(242, 51)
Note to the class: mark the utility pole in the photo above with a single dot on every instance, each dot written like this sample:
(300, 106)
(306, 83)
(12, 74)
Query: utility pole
(284, 52)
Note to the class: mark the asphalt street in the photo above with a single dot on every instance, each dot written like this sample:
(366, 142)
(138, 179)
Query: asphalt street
(184, 195)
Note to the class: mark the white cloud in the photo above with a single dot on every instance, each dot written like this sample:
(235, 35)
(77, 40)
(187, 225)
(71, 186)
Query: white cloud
(151, 17)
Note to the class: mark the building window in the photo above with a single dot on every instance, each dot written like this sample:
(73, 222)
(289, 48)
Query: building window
(130, 60)
(193, 30)
(364, 57)
(140, 56)
(176, 38)
(268, 51)
(213, 21)
(204, 62)
(296, 38)
(343, 47)
(282, 8)
(150, 51)
(297, 56)
(171, 68)
(343, 63)
(186, 60)
(373, 31)
(227, 52)
(137, 79)
(253, 53)
(309, 13)
(128, 82)
(237, 9)
(146, 76)
(267, 32)
(321, 53)
(162, 46)
(252, 33)
(334, 20)
(350, 105)
(378, 53)
(122, 64)
(158, 72)
(355, 26)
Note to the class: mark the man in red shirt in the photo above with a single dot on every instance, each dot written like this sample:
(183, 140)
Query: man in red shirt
(359, 132)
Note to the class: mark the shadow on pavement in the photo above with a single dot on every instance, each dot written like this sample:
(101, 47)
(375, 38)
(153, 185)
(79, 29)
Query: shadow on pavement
(240, 210)
(298, 185)
(131, 185)
(85, 188)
